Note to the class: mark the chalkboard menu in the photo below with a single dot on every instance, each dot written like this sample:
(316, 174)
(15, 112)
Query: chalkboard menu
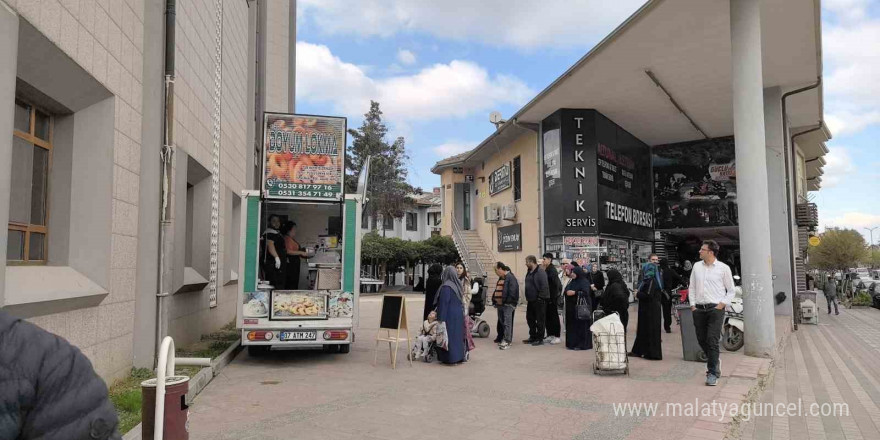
(510, 238)
(499, 180)
(391, 309)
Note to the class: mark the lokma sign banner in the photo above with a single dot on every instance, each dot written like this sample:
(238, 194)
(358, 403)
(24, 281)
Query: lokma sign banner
(303, 157)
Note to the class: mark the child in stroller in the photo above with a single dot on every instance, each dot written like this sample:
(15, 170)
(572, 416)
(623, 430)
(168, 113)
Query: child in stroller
(424, 347)
(476, 308)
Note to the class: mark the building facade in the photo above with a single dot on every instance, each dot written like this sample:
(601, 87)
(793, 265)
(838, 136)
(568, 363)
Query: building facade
(82, 100)
(656, 140)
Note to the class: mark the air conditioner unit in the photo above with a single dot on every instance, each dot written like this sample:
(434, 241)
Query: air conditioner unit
(508, 212)
(492, 213)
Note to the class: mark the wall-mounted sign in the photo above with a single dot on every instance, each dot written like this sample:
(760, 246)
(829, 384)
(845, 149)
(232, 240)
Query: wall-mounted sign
(510, 238)
(303, 156)
(499, 180)
(695, 184)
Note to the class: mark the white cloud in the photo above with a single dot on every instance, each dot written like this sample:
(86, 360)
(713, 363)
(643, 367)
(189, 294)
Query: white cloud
(853, 65)
(452, 148)
(494, 22)
(456, 89)
(847, 10)
(407, 58)
(838, 167)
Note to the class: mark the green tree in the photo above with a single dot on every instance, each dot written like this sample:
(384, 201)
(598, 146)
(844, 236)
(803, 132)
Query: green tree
(872, 257)
(388, 191)
(839, 249)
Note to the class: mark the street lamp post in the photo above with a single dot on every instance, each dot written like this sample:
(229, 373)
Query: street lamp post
(871, 247)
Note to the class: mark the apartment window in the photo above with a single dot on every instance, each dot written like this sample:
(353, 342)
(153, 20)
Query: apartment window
(365, 220)
(388, 223)
(28, 206)
(517, 180)
(412, 220)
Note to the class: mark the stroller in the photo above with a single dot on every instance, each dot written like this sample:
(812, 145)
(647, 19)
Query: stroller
(475, 310)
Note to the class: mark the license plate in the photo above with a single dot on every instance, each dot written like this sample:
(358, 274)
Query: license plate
(299, 336)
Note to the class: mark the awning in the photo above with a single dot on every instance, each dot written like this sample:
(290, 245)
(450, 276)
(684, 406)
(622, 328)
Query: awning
(686, 45)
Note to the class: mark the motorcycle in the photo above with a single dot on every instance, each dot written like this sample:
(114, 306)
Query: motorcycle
(732, 331)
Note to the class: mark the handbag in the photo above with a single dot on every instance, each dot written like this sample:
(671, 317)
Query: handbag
(583, 308)
(442, 338)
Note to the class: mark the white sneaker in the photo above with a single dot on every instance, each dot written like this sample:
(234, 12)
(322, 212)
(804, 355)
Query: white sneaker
(504, 346)
(555, 341)
(548, 339)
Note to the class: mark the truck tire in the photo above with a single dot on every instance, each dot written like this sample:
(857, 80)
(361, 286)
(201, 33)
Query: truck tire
(345, 348)
(258, 350)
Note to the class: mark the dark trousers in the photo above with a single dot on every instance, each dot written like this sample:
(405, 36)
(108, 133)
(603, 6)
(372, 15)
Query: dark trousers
(667, 312)
(834, 301)
(536, 317)
(707, 324)
(552, 320)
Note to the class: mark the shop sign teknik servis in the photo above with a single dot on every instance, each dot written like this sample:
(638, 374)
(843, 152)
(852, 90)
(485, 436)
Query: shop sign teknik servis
(303, 157)
(597, 177)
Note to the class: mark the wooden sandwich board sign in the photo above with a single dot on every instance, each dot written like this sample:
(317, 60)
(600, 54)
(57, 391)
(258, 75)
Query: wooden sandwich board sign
(393, 319)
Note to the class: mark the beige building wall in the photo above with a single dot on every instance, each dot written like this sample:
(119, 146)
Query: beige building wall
(191, 315)
(86, 293)
(105, 39)
(528, 208)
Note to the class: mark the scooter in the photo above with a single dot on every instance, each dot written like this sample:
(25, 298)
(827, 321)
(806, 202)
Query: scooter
(732, 331)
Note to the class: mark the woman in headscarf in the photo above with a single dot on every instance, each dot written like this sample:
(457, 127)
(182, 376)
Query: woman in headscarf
(616, 297)
(577, 331)
(647, 342)
(431, 288)
(449, 306)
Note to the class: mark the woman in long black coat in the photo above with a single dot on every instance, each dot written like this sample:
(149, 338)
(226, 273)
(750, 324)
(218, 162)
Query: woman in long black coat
(577, 331)
(647, 342)
(616, 297)
(598, 282)
(431, 287)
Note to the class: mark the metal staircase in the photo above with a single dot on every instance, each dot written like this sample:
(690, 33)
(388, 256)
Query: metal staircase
(476, 256)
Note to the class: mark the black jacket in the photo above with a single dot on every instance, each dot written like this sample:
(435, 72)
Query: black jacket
(511, 290)
(537, 285)
(48, 389)
(553, 281)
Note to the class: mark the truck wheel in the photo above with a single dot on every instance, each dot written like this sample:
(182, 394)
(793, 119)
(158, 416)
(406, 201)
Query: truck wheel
(258, 350)
(345, 348)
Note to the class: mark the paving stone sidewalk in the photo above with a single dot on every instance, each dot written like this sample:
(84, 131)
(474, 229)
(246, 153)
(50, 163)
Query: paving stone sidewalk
(526, 392)
(836, 362)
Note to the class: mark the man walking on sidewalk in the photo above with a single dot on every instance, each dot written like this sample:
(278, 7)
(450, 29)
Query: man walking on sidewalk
(537, 295)
(830, 290)
(554, 329)
(711, 289)
(505, 301)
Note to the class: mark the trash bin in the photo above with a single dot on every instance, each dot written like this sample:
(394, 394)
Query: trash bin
(176, 425)
(690, 348)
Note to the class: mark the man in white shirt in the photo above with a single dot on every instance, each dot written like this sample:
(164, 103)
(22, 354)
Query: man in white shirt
(711, 289)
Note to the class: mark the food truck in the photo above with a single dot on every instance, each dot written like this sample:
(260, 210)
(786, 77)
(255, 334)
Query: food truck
(311, 300)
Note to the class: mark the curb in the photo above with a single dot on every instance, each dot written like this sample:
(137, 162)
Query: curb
(198, 382)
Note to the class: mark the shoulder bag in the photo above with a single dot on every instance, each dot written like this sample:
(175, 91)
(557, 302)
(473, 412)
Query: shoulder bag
(583, 307)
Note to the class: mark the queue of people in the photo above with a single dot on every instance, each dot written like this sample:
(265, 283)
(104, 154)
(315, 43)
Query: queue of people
(573, 294)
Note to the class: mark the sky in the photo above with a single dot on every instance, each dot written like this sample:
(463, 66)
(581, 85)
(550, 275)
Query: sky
(438, 68)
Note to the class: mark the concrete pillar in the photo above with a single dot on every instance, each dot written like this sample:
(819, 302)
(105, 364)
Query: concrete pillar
(751, 158)
(8, 68)
(778, 206)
